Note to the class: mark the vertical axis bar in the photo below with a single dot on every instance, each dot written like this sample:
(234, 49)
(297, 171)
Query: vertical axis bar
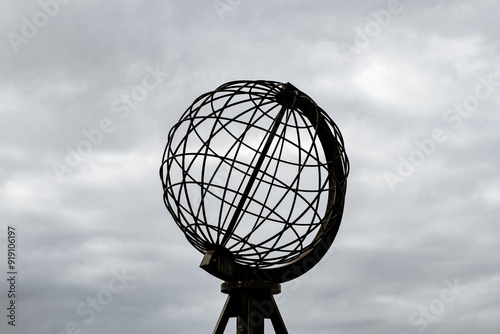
(260, 161)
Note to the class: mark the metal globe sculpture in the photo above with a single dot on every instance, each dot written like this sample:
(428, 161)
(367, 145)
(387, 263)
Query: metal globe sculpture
(254, 173)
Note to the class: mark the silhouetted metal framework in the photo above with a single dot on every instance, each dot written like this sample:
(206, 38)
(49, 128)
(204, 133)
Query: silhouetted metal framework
(254, 174)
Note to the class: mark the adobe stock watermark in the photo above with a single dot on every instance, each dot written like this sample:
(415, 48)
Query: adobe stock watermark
(307, 267)
(430, 313)
(455, 115)
(122, 108)
(12, 274)
(265, 308)
(92, 305)
(223, 6)
(30, 27)
(365, 34)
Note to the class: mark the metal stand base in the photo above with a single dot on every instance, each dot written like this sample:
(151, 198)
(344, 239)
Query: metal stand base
(251, 302)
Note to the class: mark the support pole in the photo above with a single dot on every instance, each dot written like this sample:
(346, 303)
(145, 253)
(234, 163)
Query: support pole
(251, 302)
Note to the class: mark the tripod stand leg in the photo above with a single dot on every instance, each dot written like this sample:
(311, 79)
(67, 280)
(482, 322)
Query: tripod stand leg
(224, 317)
(277, 320)
(254, 316)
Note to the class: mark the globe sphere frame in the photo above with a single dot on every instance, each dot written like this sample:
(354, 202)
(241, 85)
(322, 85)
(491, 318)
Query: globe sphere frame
(277, 103)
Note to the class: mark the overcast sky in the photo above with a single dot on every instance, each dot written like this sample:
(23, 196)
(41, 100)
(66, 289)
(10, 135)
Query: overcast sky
(89, 90)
